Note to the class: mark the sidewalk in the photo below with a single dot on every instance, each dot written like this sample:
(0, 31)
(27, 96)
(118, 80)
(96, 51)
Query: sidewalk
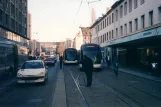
(139, 73)
(59, 99)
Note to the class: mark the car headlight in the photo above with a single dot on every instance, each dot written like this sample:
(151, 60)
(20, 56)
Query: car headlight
(41, 74)
(19, 75)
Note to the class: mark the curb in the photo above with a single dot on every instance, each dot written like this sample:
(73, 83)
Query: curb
(59, 99)
(143, 76)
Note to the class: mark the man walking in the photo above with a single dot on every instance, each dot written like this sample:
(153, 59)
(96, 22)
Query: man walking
(116, 64)
(61, 61)
(87, 66)
(108, 61)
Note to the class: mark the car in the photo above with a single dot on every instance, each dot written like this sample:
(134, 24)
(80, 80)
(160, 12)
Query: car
(50, 61)
(55, 59)
(32, 71)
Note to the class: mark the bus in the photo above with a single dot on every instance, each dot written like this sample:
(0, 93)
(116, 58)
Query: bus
(70, 56)
(94, 52)
(11, 56)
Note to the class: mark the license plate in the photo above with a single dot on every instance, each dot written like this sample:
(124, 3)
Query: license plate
(28, 81)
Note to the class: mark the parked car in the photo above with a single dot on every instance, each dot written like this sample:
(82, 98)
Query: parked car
(50, 61)
(32, 71)
(55, 59)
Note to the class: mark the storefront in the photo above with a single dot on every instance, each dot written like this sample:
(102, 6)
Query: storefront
(138, 50)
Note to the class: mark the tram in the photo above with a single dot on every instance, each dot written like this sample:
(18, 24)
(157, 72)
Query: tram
(94, 52)
(70, 56)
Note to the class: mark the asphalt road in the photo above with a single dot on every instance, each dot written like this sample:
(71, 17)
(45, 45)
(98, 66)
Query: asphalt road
(28, 95)
(108, 91)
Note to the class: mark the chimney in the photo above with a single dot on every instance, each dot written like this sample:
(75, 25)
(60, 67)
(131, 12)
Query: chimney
(107, 9)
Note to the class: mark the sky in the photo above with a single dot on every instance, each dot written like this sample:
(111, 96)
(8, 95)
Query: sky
(56, 20)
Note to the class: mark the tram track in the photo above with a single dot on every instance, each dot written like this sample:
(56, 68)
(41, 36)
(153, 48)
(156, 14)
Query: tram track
(76, 81)
(78, 87)
(124, 82)
(113, 90)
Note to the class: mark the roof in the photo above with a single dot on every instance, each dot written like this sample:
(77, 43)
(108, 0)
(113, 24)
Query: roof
(34, 61)
(86, 31)
(90, 44)
(117, 3)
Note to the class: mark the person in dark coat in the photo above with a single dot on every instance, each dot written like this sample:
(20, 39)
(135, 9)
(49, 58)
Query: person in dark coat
(61, 61)
(116, 64)
(87, 66)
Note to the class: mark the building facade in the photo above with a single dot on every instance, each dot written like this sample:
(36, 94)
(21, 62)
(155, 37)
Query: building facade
(82, 37)
(68, 43)
(49, 47)
(13, 21)
(60, 48)
(29, 25)
(35, 48)
(132, 30)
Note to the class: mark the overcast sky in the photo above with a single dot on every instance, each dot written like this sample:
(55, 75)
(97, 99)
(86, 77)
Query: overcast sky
(52, 20)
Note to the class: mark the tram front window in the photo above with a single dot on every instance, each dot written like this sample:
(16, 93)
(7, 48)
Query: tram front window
(93, 53)
(71, 55)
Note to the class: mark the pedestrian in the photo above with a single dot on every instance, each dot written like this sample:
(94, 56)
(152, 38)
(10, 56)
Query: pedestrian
(11, 71)
(108, 61)
(116, 64)
(87, 67)
(61, 61)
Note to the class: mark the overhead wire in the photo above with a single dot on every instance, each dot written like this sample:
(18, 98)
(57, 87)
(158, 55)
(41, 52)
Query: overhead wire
(76, 15)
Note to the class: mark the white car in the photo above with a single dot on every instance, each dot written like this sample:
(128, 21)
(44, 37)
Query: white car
(32, 71)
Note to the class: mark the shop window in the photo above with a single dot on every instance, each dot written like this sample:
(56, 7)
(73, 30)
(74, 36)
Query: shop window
(159, 14)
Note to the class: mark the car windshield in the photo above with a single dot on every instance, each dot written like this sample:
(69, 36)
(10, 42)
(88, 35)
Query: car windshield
(32, 65)
(49, 59)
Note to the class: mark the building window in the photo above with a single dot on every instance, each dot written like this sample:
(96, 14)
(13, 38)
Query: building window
(112, 34)
(116, 15)
(125, 8)
(103, 25)
(130, 6)
(116, 32)
(142, 21)
(1, 16)
(151, 18)
(136, 24)
(159, 14)
(121, 11)
(107, 21)
(135, 4)
(107, 35)
(103, 38)
(125, 29)
(130, 26)
(112, 18)
(7, 19)
(121, 29)
(142, 1)
(0, 2)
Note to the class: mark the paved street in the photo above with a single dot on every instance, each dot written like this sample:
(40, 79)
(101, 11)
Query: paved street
(28, 95)
(107, 90)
